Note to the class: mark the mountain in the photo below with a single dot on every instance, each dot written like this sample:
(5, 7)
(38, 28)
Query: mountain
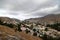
(49, 19)
(7, 20)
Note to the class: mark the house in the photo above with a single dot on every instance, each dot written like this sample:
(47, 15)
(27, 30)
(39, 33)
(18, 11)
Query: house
(23, 28)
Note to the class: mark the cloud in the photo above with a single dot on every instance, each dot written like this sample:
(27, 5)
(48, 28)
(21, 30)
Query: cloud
(48, 9)
(24, 9)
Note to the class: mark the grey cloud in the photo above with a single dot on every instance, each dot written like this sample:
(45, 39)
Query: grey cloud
(28, 6)
(47, 4)
(16, 14)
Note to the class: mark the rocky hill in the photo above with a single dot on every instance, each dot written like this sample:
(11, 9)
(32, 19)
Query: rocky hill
(7, 33)
(51, 18)
(9, 21)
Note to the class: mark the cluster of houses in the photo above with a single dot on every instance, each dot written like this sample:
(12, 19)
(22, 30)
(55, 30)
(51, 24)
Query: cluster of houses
(40, 30)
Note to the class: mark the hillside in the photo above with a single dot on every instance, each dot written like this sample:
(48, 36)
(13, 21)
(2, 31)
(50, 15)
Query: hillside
(7, 33)
(51, 18)
(7, 20)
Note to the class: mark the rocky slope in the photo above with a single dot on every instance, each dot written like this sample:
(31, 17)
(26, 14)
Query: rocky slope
(8, 20)
(51, 18)
(7, 33)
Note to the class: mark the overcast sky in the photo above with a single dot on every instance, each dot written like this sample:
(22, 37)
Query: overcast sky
(24, 9)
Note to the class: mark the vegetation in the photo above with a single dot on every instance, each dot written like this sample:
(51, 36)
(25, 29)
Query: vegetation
(27, 31)
(46, 29)
(45, 37)
(34, 34)
(54, 26)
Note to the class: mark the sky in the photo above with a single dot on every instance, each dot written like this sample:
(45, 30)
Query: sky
(25, 9)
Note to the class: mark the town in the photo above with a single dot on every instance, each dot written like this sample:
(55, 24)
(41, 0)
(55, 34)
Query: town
(34, 29)
(40, 30)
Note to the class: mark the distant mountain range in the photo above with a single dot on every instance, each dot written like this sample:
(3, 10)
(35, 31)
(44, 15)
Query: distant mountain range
(49, 19)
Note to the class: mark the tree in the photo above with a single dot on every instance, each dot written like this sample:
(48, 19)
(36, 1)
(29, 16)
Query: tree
(34, 30)
(27, 31)
(35, 34)
(46, 29)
